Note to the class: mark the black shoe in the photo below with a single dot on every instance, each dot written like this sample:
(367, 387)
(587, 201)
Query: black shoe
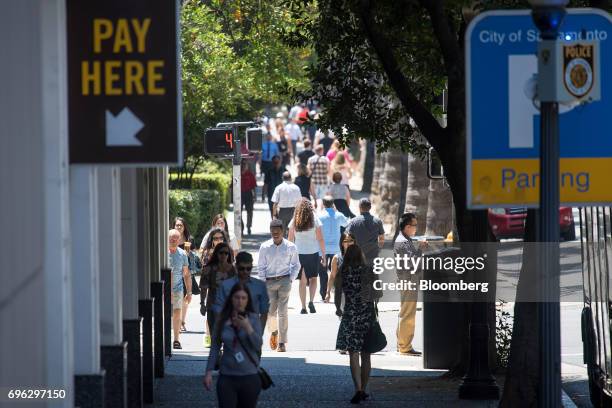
(249, 230)
(364, 396)
(311, 308)
(304, 311)
(177, 345)
(338, 312)
(356, 398)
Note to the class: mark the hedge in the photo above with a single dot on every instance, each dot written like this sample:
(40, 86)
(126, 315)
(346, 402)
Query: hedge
(202, 181)
(197, 207)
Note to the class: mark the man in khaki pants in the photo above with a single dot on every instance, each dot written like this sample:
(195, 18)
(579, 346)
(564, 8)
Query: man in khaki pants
(404, 245)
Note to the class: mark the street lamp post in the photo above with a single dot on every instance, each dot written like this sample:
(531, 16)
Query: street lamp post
(547, 16)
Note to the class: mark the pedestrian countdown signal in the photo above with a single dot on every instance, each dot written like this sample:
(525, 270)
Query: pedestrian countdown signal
(254, 137)
(219, 141)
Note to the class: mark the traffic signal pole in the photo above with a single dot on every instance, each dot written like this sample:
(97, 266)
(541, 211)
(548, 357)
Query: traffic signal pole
(236, 177)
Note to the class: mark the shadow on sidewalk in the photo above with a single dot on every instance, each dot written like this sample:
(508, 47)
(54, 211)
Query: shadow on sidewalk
(299, 383)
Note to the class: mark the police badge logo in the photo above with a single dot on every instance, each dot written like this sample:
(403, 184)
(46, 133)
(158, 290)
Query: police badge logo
(578, 76)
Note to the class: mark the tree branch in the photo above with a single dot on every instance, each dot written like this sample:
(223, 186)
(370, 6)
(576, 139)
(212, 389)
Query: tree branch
(428, 125)
(451, 53)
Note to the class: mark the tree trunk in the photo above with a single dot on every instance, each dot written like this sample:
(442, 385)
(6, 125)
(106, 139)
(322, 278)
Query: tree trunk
(387, 199)
(403, 189)
(379, 165)
(417, 192)
(439, 209)
(521, 386)
(368, 167)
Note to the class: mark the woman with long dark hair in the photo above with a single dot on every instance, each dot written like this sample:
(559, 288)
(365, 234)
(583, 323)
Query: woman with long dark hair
(220, 266)
(239, 331)
(219, 221)
(357, 317)
(305, 232)
(186, 243)
(335, 279)
(214, 237)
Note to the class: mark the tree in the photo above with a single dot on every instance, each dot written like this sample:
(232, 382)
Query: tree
(380, 65)
(383, 61)
(233, 63)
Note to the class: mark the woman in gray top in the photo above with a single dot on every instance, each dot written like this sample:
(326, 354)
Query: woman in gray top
(238, 329)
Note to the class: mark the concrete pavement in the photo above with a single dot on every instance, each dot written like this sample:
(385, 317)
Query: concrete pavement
(312, 373)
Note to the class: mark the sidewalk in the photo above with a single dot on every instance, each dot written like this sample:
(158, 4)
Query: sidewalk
(312, 373)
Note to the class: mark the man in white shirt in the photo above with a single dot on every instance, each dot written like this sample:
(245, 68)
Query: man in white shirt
(278, 267)
(285, 197)
(295, 134)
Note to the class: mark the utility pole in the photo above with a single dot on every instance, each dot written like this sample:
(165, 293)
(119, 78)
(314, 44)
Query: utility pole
(236, 176)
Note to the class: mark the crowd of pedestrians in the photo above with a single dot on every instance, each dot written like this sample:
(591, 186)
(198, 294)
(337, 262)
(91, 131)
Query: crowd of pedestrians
(314, 238)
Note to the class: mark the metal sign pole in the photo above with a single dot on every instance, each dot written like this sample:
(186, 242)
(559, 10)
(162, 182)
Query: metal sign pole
(547, 18)
(236, 177)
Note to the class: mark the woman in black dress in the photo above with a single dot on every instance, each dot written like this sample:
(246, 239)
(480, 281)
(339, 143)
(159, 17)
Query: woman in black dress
(357, 317)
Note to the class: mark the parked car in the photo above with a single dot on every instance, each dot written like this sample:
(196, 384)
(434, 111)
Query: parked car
(510, 222)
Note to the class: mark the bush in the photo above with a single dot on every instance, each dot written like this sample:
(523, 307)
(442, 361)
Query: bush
(503, 334)
(197, 207)
(206, 181)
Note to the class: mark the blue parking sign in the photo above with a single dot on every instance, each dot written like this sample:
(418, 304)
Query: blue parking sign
(503, 121)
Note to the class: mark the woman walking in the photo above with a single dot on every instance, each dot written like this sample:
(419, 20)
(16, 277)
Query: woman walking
(186, 243)
(335, 278)
(339, 165)
(341, 195)
(357, 318)
(303, 182)
(238, 330)
(219, 221)
(220, 267)
(305, 232)
(214, 237)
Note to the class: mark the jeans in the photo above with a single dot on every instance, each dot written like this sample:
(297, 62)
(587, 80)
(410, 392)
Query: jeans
(238, 391)
(278, 318)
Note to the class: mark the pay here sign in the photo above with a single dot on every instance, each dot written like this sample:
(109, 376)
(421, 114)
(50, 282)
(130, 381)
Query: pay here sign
(124, 104)
(503, 122)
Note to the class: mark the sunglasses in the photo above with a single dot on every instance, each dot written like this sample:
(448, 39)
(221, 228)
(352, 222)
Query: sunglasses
(245, 268)
(348, 241)
(223, 253)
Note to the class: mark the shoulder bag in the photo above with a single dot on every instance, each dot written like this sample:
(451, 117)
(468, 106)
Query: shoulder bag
(266, 380)
(375, 340)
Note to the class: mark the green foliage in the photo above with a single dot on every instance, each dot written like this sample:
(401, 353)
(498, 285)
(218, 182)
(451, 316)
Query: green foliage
(217, 182)
(232, 64)
(503, 334)
(197, 207)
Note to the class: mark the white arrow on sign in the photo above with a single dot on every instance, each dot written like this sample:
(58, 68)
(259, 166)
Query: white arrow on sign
(121, 130)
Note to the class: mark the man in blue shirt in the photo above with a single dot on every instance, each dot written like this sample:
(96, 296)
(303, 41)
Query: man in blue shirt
(332, 221)
(269, 149)
(259, 293)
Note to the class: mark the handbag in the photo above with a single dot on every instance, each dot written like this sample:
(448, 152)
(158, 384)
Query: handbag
(375, 340)
(195, 288)
(266, 380)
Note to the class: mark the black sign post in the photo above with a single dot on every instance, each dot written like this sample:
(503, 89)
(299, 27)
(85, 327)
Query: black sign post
(123, 87)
